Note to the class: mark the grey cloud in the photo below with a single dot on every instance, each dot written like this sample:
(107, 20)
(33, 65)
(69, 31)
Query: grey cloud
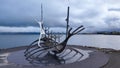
(113, 22)
(82, 12)
(114, 9)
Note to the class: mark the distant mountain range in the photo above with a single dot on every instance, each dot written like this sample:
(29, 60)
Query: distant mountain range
(26, 33)
(113, 32)
(19, 33)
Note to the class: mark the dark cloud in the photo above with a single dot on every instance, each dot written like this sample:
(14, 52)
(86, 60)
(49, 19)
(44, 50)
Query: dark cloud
(114, 9)
(113, 22)
(82, 12)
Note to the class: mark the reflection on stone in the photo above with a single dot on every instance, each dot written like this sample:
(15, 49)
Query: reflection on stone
(3, 59)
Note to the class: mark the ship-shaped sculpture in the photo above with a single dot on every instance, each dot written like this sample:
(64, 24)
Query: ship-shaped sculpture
(47, 51)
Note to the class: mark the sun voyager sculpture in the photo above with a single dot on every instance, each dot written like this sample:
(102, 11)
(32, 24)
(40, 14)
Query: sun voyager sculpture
(48, 51)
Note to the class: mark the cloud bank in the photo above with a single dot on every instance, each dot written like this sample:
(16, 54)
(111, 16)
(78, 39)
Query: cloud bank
(94, 15)
(28, 29)
(19, 29)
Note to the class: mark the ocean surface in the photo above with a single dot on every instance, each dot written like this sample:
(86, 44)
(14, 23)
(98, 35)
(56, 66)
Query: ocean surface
(102, 41)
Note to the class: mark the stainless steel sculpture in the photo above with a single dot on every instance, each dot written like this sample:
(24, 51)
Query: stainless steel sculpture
(47, 51)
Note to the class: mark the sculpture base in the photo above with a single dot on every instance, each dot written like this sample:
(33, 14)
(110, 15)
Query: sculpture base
(96, 59)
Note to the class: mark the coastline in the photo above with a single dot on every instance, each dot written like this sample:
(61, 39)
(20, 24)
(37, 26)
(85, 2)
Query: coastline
(111, 54)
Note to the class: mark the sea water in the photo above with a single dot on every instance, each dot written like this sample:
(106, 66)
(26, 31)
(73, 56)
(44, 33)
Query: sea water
(8, 41)
(102, 41)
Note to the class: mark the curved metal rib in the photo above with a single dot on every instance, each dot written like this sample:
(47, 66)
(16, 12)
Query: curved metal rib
(36, 52)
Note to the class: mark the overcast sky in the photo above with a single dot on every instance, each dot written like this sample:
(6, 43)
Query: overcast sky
(95, 15)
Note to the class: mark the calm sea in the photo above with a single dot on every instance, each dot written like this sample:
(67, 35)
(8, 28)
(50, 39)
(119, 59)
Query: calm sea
(103, 41)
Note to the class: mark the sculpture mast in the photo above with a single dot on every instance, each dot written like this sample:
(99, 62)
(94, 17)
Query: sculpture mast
(67, 20)
(42, 32)
(42, 15)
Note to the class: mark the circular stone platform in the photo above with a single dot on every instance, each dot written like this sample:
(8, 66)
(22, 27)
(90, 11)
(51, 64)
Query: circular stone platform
(90, 59)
